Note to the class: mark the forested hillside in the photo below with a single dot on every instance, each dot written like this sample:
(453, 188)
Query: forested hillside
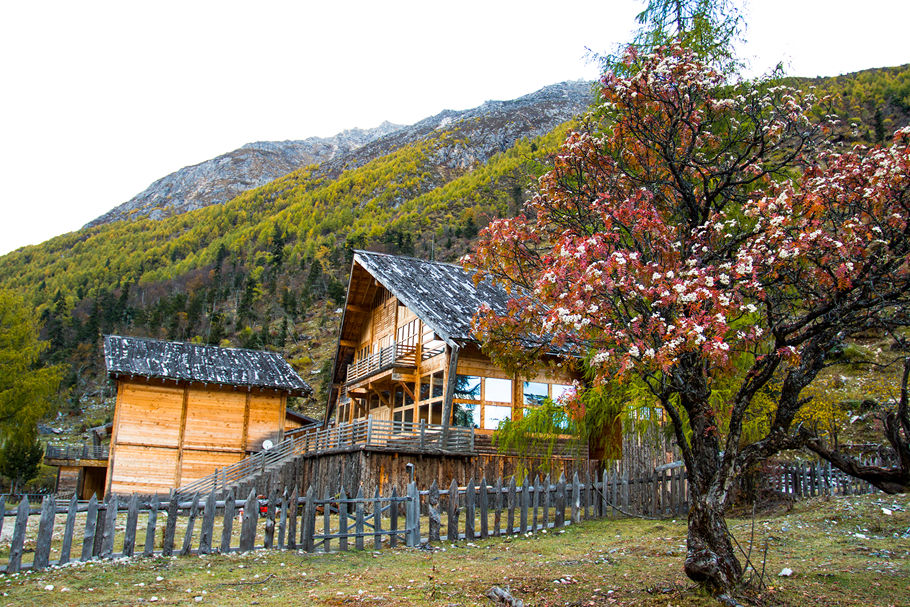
(268, 268)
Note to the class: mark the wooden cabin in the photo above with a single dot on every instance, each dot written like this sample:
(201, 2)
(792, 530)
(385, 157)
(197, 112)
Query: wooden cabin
(184, 410)
(406, 351)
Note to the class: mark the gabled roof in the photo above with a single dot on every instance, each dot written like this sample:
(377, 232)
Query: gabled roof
(443, 295)
(156, 359)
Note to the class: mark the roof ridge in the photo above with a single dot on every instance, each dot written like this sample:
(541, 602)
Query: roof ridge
(412, 258)
(192, 343)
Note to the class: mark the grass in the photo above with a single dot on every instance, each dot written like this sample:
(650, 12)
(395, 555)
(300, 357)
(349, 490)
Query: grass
(843, 551)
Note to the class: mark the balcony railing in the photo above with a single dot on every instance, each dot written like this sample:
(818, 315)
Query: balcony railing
(395, 355)
(407, 437)
(76, 452)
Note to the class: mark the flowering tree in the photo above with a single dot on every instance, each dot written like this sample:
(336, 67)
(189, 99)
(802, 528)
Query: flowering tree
(704, 243)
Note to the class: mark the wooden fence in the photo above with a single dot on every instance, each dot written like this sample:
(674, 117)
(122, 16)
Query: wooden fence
(802, 479)
(82, 531)
(317, 521)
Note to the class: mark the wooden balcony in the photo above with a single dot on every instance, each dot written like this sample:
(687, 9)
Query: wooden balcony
(395, 355)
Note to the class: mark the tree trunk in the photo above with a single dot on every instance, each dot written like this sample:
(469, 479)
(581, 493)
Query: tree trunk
(710, 559)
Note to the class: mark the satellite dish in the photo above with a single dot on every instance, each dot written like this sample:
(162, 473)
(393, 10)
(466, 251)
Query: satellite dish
(267, 444)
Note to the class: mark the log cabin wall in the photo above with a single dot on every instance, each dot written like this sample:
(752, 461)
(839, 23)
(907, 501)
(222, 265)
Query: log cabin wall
(167, 434)
(385, 470)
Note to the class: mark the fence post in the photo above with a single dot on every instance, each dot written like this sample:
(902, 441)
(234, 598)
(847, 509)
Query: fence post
(45, 530)
(88, 538)
(309, 520)
(15, 549)
(469, 495)
(67, 545)
(432, 512)
(413, 516)
(576, 499)
(369, 430)
(423, 430)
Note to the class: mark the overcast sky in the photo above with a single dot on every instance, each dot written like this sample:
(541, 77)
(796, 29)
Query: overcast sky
(98, 100)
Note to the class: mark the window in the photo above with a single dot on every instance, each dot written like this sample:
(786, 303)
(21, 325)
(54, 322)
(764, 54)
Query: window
(466, 415)
(467, 387)
(497, 390)
(534, 393)
(438, 387)
(493, 414)
(562, 391)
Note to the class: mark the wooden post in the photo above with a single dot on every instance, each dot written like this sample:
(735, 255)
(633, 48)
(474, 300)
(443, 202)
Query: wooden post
(227, 523)
(88, 538)
(187, 547)
(149, 547)
(377, 519)
(342, 520)
(170, 528)
(327, 521)
(269, 538)
(45, 532)
(309, 520)
(292, 520)
(484, 509)
(99, 526)
(510, 518)
(18, 541)
(497, 513)
(132, 518)
(67, 546)
(208, 524)
(413, 523)
(433, 512)
(469, 512)
(248, 525)
(283, 519)
(576, 499)
(393, 518)
(359, 519)
(536, 502)
(559, 519)
(452, 513)
(545, 519)
(525, 504)
(451, 375)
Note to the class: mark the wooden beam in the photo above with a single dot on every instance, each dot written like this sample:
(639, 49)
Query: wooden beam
(246, 423)
(179, 468)
(347, 343)
(356, 308)
(451, 374)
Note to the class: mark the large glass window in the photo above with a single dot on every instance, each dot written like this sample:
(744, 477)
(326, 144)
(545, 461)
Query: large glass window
(467, 387)
(466, 415)
(534, 393)
(438, 384)
(562, 390)
(497, 390)
(493, 414)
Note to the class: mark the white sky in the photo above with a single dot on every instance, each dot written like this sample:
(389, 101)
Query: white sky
(98, 100)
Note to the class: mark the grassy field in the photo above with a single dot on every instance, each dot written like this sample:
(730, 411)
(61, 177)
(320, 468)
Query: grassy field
(842, 551)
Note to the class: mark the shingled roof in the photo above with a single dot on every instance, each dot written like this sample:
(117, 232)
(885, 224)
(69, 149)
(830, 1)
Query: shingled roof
(152, 358)
(443, 295)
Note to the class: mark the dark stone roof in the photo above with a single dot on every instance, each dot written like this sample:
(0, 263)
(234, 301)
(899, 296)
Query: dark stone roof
(152, 358)
(443, 295)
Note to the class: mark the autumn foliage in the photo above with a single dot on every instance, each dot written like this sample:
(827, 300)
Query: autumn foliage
(701, 237)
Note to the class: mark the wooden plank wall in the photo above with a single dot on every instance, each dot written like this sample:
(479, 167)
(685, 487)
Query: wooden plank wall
(165, 436)
(383, 470)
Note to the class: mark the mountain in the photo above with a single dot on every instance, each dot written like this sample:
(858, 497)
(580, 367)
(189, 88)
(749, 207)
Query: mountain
(218, 180)
(268, 268)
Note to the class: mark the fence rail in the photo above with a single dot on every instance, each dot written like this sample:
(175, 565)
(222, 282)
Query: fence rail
(403, 436)
(76, 452)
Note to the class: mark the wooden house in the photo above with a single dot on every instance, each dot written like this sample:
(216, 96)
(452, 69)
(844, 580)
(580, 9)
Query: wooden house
(184, 410)
(406, 351)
